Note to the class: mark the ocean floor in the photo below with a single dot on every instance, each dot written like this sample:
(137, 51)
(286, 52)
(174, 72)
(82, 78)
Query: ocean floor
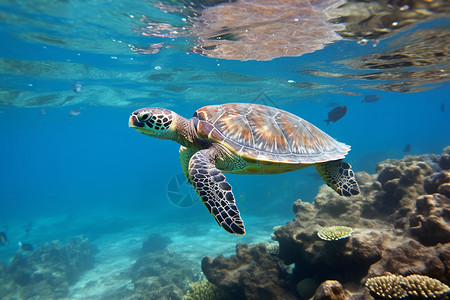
(399, 221)
(118, 253)
(119, 242)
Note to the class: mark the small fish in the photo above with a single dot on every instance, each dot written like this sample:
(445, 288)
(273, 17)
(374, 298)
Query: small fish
(28, 227)
(26, 247)
(442, 106)
(332, 104)
(42, 112)
(336, 114)
(75, 112)
(371, 98)
(407, 148)
(76, 87)
(3, 238)
(290, 268)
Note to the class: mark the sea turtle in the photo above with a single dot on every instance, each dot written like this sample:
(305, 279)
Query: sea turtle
(244, 138)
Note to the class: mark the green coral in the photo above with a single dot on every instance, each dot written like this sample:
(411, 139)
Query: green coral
(204, 290)
(334, 233)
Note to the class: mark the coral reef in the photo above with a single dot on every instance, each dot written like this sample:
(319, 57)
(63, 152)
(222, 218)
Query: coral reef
(205, 290)
(401, 226)
(253, 273)
(47, 272)
(161, 275)
(155, 242)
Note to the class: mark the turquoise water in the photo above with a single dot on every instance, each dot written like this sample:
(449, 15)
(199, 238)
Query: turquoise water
(89, 174)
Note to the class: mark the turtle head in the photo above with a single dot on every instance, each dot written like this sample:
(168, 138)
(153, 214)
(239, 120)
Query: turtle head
(154, 121)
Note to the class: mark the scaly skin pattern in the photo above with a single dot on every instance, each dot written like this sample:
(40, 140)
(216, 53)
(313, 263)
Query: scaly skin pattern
(215, 192)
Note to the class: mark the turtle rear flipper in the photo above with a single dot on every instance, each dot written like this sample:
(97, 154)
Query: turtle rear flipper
(214, 191)
(339, 176)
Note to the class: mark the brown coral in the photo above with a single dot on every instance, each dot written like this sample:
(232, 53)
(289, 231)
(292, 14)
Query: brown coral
(253, 273)
(48, 271)
(399, 228)
(411, 257)
(433, 182)
(430, 222)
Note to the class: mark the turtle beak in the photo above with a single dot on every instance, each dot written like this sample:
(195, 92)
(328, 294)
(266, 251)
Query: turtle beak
(134, 122)
(131, 121)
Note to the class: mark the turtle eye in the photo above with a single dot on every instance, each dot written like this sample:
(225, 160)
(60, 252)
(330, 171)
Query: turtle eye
(144, 116)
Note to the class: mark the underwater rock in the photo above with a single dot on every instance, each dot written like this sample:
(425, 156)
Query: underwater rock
(253, 273)
(432, 183)
(388, 173)
(402, 182)
(49, 271)
(444, 189)
(155, 242)
(161, 275)
(306, 287)
(430, 222)
(330, 290)
(444, 162)
(412, 257)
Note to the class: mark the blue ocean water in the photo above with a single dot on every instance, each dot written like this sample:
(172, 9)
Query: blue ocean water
(69, 164)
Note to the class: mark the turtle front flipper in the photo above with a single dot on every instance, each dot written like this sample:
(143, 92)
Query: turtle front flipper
(339, 176)
(214, 191)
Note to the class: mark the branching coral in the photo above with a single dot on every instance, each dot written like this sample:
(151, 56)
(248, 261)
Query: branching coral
(204, 290)
(425, 287)
(409, 287)
(335, 233)
(387, 287)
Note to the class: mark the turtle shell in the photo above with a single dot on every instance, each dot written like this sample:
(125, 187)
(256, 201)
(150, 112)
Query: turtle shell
(259, 133)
